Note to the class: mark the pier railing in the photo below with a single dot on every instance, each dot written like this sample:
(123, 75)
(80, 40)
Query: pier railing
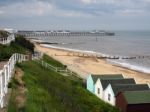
(6, 74)
(7, 40)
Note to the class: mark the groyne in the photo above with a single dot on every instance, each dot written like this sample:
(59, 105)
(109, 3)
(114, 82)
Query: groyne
(91, 54)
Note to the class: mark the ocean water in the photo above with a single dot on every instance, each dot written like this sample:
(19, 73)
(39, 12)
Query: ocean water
(124, 43)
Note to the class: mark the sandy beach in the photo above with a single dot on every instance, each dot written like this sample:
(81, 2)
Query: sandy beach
(84, 66)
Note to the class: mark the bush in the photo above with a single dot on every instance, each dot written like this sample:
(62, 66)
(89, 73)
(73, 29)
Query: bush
(20, 45)
(3, 34)
(20, 40)
(7, 51)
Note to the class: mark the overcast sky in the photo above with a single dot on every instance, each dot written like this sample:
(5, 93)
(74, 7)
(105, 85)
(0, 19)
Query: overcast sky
(75, 14)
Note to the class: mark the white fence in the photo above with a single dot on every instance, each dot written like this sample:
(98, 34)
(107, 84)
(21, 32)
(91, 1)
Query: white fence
(7, 40)
(6, 74)
(63, 71)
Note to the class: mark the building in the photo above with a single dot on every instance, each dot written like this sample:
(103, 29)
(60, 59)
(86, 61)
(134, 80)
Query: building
(101, 85)
(92, 79)
(133, 101)
(10, 30)
(111, 91)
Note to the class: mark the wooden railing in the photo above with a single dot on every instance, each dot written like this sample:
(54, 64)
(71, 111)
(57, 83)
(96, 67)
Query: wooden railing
(6, 74)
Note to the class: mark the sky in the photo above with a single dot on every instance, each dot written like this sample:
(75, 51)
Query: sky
(75, 14)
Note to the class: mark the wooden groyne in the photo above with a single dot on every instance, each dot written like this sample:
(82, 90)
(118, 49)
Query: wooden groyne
(91, 55)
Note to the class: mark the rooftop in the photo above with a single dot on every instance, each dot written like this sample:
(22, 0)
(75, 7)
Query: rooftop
(105, 82)
(137, 97)
(129, 87)
(106, 76)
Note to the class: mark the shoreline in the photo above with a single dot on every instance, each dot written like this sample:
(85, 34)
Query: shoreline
(84, 66)
(108, 58)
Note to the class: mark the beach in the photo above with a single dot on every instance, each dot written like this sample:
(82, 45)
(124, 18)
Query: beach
(85, 66)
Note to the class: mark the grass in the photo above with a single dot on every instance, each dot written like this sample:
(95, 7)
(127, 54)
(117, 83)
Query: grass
(49, 91)
(7, 51)
(52, 61)
(20, 45)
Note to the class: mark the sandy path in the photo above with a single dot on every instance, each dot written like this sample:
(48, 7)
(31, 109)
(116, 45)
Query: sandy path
(85, 66)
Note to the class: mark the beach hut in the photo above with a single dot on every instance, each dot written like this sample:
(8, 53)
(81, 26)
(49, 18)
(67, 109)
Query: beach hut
(112, 90)
(133, 101)
(92, 79)
(101, 85)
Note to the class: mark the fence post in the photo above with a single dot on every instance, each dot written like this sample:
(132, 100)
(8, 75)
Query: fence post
(1, 90)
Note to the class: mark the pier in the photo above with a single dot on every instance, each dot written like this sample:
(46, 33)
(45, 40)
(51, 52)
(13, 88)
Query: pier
(64, 33)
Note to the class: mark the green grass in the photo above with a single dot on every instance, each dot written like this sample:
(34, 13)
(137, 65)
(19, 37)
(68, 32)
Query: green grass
(20, 45)
(49, 91)
(52, 61)
(7, 51)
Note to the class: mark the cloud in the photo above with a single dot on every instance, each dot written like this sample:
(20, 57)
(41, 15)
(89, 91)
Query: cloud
(1, 12)
(41, 8)
(132, 11)
(75, 7)
(92, 12)
(88, 1)
(28, 9)
(38, 8)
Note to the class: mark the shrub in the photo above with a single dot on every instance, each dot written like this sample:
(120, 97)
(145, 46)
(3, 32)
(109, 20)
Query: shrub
(3, 34)
(20, 40)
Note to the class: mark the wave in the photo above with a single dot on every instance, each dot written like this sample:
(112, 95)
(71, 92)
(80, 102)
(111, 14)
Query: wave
(130, 66)
(75, 50)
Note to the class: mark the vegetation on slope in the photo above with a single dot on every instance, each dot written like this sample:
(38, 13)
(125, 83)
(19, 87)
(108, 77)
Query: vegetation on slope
(7, 51)
(49, 91)
(52, 61)
(20, 40)
(3, 34)
(20, 45)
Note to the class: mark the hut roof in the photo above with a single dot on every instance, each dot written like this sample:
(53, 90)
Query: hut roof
(106, 82)
(137, 97)
(129, 87)
(106, 76)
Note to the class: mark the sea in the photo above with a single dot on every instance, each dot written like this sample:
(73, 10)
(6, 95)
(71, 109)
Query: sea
(124, 44)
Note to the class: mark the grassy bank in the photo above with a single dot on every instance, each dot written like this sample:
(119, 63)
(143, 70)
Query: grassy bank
(16, 46)
(49, 91)
(7, 51)
(52, 61)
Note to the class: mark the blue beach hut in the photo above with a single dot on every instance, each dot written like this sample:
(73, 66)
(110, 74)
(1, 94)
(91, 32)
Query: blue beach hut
(92, 78)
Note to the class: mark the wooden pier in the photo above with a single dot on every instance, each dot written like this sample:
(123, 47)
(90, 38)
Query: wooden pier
(64, 33)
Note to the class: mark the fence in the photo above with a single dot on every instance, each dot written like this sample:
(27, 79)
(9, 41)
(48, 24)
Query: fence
(60, 70)
(6, 74)
(7, 40)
